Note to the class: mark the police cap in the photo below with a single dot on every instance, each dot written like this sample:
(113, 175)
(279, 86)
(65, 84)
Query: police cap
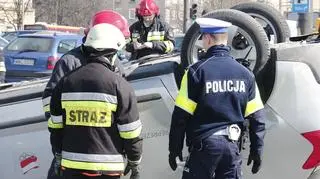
(213, 26)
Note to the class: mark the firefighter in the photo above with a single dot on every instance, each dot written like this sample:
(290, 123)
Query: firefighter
(95, 113)
(149, 35)
(216, 95)
(76, 58)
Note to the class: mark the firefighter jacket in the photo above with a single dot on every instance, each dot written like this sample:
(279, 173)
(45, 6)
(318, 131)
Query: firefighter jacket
(96, 120)
(158, 33)
(216, 92)
(67, 63)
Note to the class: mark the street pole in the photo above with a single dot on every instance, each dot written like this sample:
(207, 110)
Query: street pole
(186, 15)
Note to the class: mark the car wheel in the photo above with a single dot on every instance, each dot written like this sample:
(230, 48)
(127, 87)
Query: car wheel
(270, 18)
(247, 40)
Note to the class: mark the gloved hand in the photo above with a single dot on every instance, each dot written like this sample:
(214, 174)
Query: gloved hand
(256, 162)
(137, 45)
(172, 160)
(57, 164)
(134, 166)
(148, 44)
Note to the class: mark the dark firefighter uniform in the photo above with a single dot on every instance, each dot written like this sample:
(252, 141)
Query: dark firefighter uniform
(216, 92)
(95, 120)
(67, 63)
(73, 60)
(158, 33)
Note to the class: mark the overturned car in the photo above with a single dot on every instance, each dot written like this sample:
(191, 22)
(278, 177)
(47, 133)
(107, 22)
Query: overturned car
(287, 73)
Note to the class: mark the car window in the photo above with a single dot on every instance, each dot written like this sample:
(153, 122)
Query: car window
(66, 45)
(178, 43)
(3, 42)
(36, 44)
(10, 36)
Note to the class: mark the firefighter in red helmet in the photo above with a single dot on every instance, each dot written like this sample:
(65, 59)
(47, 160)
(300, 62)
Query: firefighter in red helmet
(110, 17)
(73, 60)
(149, 35)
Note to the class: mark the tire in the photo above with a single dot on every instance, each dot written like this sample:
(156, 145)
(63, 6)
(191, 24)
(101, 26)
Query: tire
(278, 22)
(237, 18)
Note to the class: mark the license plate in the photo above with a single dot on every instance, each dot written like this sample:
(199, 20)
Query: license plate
(29, 62)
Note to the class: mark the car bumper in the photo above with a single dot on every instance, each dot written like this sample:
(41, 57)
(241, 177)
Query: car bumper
(15, 76)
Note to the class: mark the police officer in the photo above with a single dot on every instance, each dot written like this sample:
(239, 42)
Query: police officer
(76, 58)
(95, 114)
(149, 35)
(216, 95)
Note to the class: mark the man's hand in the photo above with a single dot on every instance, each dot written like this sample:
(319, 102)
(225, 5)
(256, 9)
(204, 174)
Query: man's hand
(57, 164)
(172, 160)
(135, 169)
(148, 45)
(137, 45)
(256, 162)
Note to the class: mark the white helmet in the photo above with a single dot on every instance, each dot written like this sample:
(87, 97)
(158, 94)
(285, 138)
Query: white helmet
(105, 36)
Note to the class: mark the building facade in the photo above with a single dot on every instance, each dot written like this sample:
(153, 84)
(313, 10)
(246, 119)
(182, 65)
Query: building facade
(11, 11)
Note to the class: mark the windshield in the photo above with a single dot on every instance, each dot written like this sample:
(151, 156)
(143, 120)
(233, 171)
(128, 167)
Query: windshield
(34, 44)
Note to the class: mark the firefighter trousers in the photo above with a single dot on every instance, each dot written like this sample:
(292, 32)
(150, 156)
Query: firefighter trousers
(81, 176)
(215, 157)
(67, 175)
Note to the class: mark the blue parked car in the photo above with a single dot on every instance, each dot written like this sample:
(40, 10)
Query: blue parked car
(34, 55)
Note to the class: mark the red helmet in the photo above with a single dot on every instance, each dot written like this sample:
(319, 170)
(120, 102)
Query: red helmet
(147, 8)
(111, 17)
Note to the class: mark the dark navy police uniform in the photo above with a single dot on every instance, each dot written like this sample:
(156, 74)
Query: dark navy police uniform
(216, 92)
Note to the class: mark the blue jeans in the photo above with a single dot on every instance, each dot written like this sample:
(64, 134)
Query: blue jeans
(216, 157)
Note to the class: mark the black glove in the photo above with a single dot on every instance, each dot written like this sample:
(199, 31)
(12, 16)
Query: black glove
(57, 164)
(256, 162)
(172, 160)
(135, 169)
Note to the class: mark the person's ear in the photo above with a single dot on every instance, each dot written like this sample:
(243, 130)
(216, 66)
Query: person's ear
(208, 38)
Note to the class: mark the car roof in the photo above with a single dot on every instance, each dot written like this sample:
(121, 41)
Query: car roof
(53, 34)
(21, 32)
